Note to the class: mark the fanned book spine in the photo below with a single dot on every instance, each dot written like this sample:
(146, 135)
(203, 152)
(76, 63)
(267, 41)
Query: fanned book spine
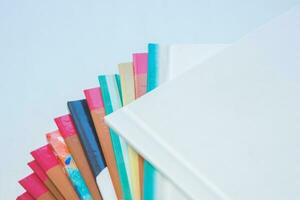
(68, 131)
(34, 186)
(60, 148)
(128, 96)
(87, 134)
(25, 196)
(44, 178)
(110, 87)
(96, 106)
(152, 82)
(48, 161)
(140, 69)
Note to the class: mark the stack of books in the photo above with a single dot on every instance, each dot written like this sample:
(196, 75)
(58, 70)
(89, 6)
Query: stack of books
(212, 121)
(84, 158)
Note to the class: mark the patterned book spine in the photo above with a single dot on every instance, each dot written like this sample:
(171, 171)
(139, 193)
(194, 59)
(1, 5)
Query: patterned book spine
(60, 148)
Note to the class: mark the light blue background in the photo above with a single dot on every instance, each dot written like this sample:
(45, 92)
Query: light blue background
(50, 50)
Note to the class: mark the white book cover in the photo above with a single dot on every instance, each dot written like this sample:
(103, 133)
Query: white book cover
(175, 59)
(171, 61)
(227, 129)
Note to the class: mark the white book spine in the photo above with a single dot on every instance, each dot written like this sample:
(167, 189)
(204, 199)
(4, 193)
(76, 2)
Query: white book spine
(105, 185)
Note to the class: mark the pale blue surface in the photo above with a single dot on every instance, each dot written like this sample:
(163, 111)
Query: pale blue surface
(50, 50)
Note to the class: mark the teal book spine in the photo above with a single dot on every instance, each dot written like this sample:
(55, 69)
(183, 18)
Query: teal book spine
(152, 83)
(111, 93)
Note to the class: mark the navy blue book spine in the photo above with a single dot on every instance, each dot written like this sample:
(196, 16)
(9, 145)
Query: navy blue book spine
(87, 134)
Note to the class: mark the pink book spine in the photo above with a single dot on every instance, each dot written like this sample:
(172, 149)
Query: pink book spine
(94, 98)
(140, 67)
(65, 125)
(33, 185)
(38, 170)
(25, 196)
(45, 157)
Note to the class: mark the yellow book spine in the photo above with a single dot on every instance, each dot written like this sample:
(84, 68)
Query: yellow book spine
(128, 95)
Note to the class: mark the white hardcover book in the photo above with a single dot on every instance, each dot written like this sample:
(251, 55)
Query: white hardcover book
(227, 129)
(169, 62)
(173, 60)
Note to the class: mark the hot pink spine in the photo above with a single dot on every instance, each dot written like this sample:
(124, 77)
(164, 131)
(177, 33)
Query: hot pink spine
(33, 185)
(45, 157)
(25, 196)
(65, 125)
(94, 98)
(140, 63)
(38, 170)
